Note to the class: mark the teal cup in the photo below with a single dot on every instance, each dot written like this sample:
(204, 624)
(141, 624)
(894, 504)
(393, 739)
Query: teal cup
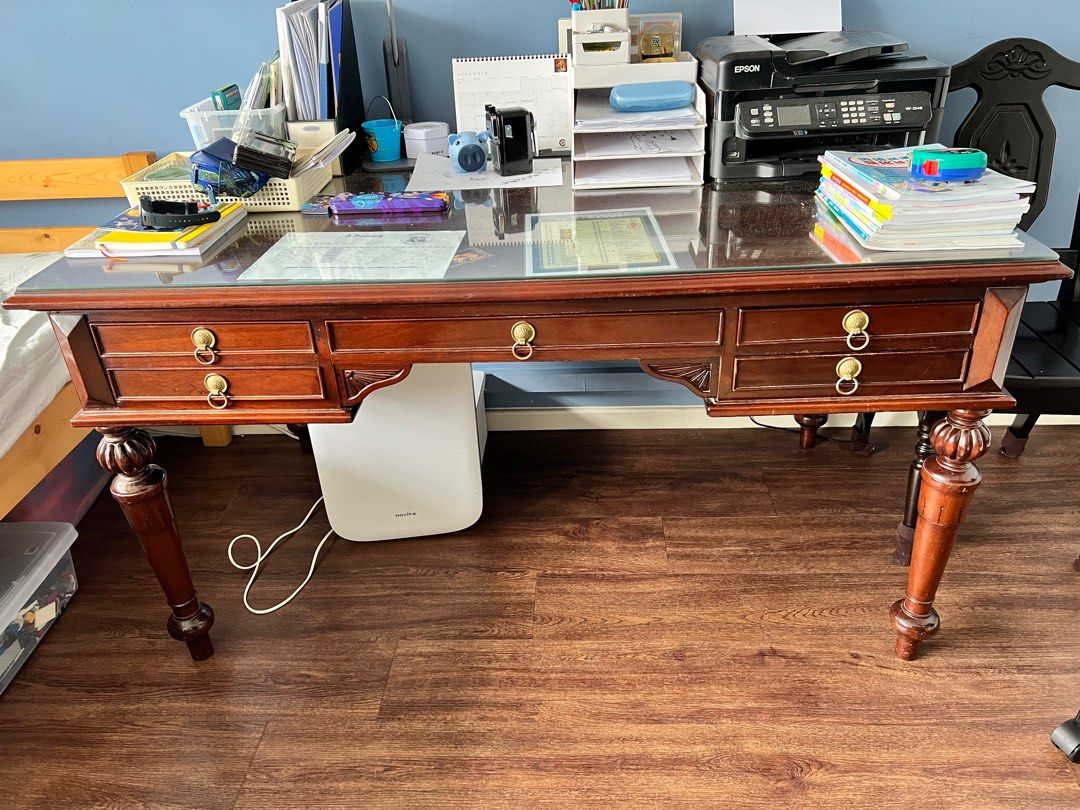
(383, 139)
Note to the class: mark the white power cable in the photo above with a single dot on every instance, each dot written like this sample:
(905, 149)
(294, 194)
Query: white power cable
(260, 558)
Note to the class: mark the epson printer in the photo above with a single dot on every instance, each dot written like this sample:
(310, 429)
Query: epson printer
(775, 104)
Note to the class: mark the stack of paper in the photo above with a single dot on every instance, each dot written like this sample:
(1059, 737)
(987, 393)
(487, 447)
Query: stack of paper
(875, 198)
(652, 142)
(594, 113)
(652, 172)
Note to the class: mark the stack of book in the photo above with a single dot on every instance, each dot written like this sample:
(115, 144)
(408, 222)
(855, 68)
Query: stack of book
(125, 237)
(875, 198)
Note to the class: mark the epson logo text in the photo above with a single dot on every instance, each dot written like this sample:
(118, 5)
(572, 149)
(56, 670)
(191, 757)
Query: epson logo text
(748, 68)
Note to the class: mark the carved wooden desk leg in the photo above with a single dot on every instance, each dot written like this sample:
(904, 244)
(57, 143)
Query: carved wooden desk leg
(949, 480)
(139, 488)
(905, 532)
(810, 423)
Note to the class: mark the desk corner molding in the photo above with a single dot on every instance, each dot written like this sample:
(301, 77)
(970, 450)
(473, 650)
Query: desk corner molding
(358, 383)
(698, 376)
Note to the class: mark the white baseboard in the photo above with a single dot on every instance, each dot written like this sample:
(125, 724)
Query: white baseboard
(685, 417)
(674, 417)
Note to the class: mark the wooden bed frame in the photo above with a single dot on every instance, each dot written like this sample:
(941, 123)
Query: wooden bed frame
(41, 447)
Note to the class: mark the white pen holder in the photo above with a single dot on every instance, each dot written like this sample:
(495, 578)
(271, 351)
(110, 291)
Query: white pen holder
(601, 37)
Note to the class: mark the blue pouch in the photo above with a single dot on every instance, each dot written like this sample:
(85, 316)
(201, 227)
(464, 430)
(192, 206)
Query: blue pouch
(651, 96)
(213, 171)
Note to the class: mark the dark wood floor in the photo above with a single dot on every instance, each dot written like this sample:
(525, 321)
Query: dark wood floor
(639, 617)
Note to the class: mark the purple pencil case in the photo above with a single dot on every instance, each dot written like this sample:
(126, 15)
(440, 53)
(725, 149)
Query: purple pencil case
(382, 203)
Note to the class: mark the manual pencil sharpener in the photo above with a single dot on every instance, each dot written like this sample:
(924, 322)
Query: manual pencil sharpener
(513, 140)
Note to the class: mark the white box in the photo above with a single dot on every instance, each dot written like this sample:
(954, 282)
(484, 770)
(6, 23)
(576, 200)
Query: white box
(37, 580)
(427, 137)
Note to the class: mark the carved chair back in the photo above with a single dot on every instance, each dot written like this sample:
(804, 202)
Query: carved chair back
(1009, 121)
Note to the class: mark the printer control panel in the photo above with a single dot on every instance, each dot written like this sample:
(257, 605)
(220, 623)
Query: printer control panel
(866, 111)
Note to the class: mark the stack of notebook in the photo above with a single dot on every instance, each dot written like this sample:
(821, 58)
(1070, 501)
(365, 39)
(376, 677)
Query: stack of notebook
(124, 236)
(875, 198)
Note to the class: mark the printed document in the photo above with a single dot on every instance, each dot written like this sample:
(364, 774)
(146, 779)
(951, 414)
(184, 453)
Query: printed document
(357, 257)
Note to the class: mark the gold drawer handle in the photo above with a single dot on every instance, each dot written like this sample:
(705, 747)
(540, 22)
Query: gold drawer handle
(848, 370)
(216, 386)
(855, 323)
(523, 334)
(204, 341)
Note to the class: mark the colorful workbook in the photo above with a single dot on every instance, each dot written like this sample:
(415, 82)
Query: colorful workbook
(875, 198)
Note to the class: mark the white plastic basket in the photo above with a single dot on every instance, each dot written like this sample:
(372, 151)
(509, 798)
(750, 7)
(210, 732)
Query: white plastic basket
(207, 124)
(277, 195)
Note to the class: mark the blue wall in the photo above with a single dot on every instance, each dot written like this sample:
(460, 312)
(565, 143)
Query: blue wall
(84, 77)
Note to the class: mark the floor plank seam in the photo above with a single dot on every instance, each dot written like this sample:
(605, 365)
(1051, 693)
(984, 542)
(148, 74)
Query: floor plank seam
(768, 491)
(250, 767)
(389, 672)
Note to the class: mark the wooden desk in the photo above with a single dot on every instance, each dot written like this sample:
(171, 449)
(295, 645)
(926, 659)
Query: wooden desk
(756, 319)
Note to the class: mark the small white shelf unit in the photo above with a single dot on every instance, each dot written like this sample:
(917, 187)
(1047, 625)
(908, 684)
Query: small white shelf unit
(604, 77)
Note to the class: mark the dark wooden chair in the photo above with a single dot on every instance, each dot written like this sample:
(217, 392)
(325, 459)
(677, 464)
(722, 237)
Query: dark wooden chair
(1011, 124)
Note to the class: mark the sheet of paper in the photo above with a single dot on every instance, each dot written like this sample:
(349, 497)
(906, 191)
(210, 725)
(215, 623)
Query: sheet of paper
(357, 256)
(597, 242)
(787, 16)
(435, 173)
(651, 171)
(661, 142)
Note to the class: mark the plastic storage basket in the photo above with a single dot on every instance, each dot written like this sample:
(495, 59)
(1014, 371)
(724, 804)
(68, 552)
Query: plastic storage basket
(277, 195)
(207, 124)
(37, 580)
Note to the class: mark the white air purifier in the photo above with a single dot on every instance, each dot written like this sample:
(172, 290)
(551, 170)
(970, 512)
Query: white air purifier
(408, 465)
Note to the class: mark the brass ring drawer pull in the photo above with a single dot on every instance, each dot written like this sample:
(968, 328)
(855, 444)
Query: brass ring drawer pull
(855, 323)
(204, 341)
(523, 334)
(216, 386)
(848, 371)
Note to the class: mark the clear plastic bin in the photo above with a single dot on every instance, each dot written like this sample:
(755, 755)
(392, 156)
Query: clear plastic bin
(37, 580)
(207, 124)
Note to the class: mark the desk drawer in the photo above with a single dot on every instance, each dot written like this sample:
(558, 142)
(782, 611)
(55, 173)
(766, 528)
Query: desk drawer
(823, 327)
(242, 384)
(585, 331)
(817, 374)
(121, 340)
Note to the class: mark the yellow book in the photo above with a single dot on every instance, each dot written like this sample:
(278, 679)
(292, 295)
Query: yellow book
(158, 240)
